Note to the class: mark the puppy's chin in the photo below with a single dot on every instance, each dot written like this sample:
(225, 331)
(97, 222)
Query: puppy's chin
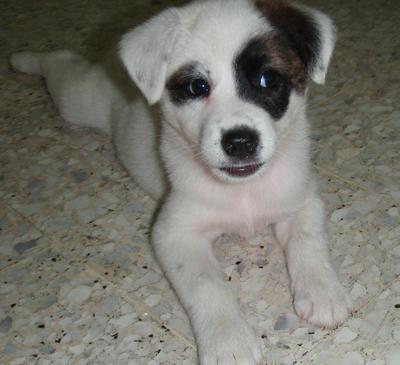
(238, 174)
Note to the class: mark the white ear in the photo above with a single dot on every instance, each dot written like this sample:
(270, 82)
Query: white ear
(145, 52)
(326, 43)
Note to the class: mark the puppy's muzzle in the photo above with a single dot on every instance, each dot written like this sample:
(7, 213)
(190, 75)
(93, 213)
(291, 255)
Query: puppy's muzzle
(241, 145)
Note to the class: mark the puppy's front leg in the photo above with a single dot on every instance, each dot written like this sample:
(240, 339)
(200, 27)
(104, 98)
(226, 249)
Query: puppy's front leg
(184, 249)
(318, 296)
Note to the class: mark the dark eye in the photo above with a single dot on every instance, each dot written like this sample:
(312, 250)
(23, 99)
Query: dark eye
(268, 79)
(199, 87)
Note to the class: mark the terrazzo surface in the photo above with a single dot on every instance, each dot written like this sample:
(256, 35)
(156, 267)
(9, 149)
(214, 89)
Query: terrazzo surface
(78, 282)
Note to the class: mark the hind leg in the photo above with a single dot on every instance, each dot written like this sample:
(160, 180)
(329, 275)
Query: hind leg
(82, 92)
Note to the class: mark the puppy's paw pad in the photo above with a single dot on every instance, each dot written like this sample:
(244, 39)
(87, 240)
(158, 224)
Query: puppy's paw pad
(232, 343)
(322, 303)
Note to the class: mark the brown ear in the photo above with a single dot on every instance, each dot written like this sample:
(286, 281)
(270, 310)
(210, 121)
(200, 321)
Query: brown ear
(310, 32)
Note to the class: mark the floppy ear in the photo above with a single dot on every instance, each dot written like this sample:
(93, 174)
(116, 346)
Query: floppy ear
(311, 33)
(145, 52)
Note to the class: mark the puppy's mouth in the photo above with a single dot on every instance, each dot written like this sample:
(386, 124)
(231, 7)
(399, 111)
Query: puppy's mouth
(242, 171)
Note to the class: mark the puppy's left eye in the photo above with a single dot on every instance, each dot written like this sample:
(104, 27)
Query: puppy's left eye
(268, 79)
(199, 87)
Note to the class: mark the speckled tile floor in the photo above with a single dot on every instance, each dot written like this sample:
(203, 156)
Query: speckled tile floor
(78, 282)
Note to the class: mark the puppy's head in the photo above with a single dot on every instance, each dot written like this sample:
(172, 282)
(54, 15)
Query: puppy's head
(231, 75)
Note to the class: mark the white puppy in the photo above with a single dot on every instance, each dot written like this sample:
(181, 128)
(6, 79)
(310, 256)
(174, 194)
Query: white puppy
(229, 153)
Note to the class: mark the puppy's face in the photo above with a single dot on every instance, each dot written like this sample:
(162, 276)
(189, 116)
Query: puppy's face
(234, 104)
(234, 78)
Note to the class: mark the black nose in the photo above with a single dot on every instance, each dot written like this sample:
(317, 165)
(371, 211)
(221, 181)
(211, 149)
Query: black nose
(240, 142)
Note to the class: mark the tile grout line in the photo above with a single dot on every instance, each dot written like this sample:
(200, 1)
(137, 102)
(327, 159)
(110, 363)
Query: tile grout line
(36, 249)
(352, 184)
(139, 304)
(329, 173)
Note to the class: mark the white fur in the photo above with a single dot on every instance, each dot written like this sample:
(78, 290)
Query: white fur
(156, 39)
(177, 156)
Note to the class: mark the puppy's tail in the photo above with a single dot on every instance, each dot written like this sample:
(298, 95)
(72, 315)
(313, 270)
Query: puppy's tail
(82, 92)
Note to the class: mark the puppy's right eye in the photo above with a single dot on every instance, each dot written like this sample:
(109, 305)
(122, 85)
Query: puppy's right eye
(198, 88)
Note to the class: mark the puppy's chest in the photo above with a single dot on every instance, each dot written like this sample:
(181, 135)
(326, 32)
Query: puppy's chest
(247, 213)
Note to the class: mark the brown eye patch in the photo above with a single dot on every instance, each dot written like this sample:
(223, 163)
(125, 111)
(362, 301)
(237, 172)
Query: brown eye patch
(285, 59)
(266, 72)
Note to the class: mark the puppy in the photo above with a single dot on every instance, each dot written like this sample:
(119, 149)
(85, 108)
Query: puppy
(229, 153)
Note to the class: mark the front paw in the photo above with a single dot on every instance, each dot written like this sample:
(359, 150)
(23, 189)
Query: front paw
(228, 341)
(321, 299)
